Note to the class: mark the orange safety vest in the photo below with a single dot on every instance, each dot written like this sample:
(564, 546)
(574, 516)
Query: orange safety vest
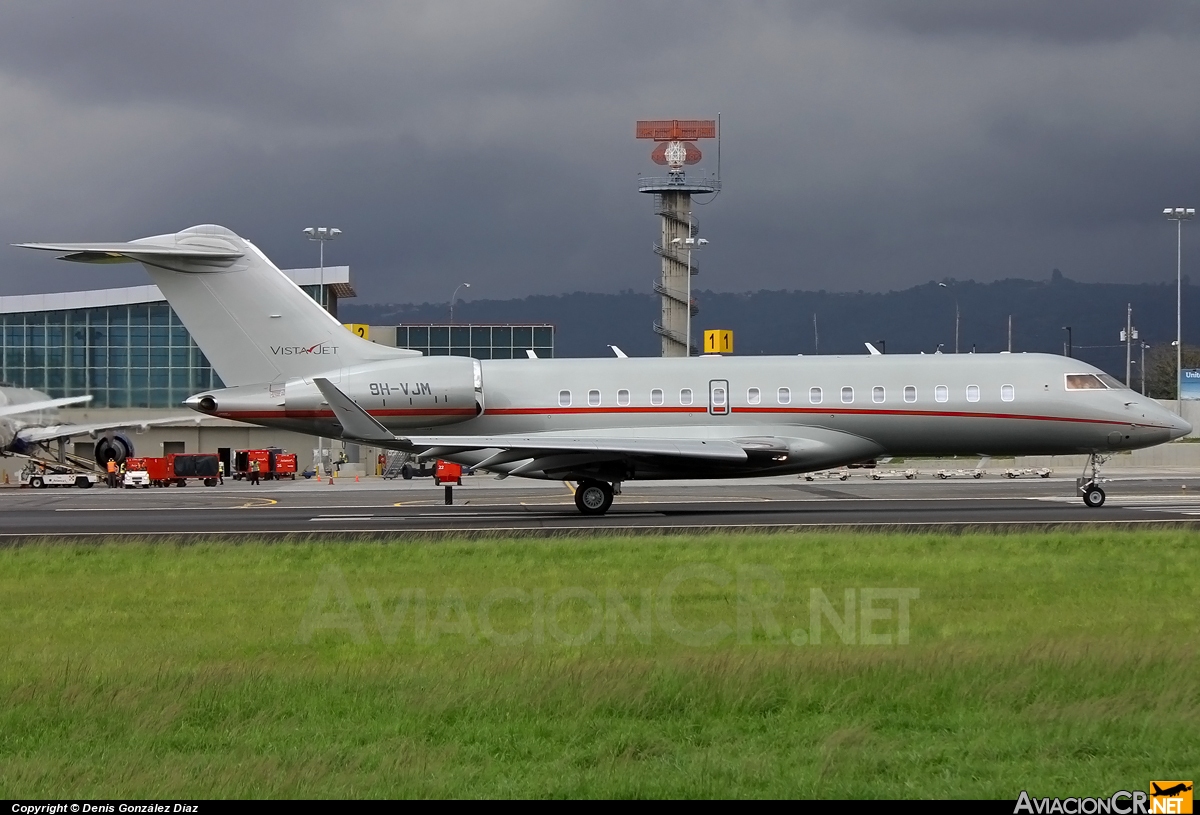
(112, 466)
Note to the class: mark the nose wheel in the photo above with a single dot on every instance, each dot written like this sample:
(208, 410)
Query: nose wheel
(593, 497)
(1093, 496)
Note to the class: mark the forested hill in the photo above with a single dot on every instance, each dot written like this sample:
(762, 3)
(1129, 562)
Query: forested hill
(908, 321)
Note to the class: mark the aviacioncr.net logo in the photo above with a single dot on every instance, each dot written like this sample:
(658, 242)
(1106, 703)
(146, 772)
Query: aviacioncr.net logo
(321, 349)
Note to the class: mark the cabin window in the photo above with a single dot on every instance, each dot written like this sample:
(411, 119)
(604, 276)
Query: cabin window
(784, 396)
(622, 397)
(941, 394)
(814, 395)
(910, 394)
(847, 394)
(656, 396)
(564, 398)
(753, 396)
(877, 394)
(594, 398)
(1085, 382)
(1007, 393)
(718, 397)
(972, 393)
(685, 396)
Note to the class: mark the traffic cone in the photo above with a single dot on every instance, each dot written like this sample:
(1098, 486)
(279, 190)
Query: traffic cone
(356, 478)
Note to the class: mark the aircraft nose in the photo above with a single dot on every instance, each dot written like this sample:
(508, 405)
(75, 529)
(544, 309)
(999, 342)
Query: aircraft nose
(1179, 427)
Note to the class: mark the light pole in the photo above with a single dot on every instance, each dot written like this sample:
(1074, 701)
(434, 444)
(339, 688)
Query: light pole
(454, 297)
(321, 234)
(1070, 344)
(955, 296)
(1179, 215)
(690, 242)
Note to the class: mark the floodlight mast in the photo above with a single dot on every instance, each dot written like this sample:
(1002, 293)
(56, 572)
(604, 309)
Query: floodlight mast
(1179, 215)
(321, 234)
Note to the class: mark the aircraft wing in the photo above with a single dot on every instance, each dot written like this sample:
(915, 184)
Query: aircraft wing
(37, 435)
(45, 404)
(358, 425)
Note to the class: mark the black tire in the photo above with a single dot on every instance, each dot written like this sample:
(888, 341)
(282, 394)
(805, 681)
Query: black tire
(210, 482)
(1093, 496)
(437, 482)
(406, 472)
(37, 483)
(593, 497)
(82, 482)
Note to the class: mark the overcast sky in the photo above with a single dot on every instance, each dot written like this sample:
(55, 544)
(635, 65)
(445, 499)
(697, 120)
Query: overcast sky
(867, 145)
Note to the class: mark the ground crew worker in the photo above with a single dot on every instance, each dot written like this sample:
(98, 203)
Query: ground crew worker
(220, 472)
(112, 473)
(121, 478)
(254, 471)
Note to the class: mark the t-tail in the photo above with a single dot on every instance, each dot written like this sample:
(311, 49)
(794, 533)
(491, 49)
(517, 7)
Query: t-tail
(252, 322)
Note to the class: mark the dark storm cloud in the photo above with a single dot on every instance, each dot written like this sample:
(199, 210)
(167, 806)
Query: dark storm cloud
(867, 145)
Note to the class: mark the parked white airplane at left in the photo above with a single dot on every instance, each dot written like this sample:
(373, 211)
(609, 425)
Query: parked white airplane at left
(29, 420)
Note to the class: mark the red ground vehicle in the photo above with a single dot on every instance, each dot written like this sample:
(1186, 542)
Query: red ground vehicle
(447, 472)
(184, 467)
(155, 468)
(284, 466)
(272, 463)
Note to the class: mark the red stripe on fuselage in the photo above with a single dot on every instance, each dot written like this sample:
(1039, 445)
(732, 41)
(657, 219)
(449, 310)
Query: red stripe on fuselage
(702, 409)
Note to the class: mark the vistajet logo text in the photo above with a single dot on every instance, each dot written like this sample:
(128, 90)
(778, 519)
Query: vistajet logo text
(321, 349)
(1122, 802)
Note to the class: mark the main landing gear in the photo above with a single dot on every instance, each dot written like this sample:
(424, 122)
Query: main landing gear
(1089, 485)
(594, 497)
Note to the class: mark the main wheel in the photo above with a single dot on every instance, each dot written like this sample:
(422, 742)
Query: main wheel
(406, 472)
(1093, 496)
(593, 497)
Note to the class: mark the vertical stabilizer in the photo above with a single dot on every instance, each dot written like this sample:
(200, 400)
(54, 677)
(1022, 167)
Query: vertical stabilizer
(252, 322)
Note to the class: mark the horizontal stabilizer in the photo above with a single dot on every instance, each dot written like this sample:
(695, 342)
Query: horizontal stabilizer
(130, 252)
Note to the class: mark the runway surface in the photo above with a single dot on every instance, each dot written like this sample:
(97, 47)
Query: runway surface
(486, 505)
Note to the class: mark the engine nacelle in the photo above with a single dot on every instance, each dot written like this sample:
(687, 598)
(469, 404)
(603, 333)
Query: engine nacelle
(401, 394)
(118, 448)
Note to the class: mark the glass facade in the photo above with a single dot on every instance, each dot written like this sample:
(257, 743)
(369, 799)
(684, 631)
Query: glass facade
(478, 341)
(139, 355)
(136, 355)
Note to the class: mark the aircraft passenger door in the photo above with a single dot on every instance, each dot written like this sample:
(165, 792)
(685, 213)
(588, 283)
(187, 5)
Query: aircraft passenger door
(718, 397)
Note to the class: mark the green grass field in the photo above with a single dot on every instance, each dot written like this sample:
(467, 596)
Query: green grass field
(1062, 663)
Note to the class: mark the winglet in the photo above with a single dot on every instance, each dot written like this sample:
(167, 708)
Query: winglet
(529, 352)
(872, 350)
(356, 422)
(618, 352)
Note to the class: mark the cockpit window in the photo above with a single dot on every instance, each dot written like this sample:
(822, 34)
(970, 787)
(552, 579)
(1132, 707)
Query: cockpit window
(1085, 382)
(1112, 382)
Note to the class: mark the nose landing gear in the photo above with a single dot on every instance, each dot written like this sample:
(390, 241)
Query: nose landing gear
(1089, 485)
(593, 497)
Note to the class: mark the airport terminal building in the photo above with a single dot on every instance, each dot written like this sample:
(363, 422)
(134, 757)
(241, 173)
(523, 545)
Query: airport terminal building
(128, 349)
